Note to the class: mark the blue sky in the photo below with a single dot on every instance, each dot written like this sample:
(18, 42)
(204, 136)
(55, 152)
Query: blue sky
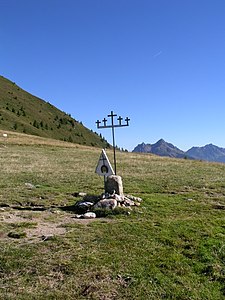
(159, 62)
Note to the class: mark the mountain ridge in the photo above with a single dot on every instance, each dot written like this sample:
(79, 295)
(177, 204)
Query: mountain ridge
(208, 152)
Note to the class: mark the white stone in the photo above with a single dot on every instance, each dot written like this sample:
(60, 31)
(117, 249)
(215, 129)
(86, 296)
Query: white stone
(133, 198)
(128, 202)
(118, 198)
(89, 215)
(81, 194)
(30, 185)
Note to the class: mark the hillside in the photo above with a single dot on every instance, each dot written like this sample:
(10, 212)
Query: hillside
(22, 112)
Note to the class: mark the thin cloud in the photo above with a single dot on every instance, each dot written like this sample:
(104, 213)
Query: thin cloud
(157, 54)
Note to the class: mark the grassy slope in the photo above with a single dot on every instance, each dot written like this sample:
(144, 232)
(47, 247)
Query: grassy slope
(23, 112)
(172, 247)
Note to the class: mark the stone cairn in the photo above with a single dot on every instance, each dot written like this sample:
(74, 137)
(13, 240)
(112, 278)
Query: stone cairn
(111, 199)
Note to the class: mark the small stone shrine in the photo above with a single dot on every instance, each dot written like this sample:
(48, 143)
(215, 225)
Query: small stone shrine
(113, 196)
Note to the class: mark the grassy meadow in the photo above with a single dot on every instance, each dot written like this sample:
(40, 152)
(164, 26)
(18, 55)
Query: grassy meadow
(170, 247)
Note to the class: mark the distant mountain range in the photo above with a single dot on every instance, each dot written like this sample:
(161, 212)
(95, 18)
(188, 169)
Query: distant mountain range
(209, 152)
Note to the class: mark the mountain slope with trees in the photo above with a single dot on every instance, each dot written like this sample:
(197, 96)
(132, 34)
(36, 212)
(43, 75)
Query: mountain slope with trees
(22, 112)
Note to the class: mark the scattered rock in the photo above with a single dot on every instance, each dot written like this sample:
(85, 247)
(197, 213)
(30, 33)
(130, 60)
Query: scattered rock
(30, 186)
(76, 216)
(219, 206)
(89, 215)
(118, 198)
(78, 194)
(134, 198)
(128, 202)
(106, 203)
(47, 238)
(81, 194)
(84, 205)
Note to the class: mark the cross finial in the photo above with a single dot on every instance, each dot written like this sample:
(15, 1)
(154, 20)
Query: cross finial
(127, 120)
(104, 121)
(112, 115)
(97, 122)
(120, 120)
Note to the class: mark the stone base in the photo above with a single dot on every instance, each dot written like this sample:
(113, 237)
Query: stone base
(114, 184)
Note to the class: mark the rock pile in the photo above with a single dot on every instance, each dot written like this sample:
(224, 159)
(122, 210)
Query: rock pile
(89, 204)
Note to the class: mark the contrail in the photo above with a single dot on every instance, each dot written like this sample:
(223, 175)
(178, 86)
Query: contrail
(157, 54)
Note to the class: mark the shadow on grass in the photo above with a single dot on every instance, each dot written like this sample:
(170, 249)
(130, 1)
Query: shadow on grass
(74, 208)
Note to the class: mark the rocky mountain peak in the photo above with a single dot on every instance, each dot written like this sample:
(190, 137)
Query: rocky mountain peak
(208, 152)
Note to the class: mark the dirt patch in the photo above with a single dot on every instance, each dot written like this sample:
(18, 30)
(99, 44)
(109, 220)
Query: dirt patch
(39, 225)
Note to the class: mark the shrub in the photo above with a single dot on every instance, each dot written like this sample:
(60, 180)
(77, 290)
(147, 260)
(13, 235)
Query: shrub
(35, 124)
(70, 139)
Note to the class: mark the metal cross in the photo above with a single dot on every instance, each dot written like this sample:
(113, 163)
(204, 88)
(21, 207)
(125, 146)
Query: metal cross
(104, 121)
(112, 125)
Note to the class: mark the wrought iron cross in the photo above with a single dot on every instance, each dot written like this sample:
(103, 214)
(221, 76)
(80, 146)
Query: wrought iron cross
(112, 125)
